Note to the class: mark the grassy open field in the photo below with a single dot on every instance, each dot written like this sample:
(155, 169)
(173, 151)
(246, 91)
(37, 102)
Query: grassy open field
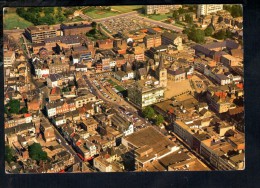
(76, 19)
(97, 14)
(125, 9)
(12, 21)
(159, 17)
(111, 82)
(119, 88)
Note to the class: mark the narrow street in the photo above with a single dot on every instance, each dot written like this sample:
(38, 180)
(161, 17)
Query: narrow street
(63, 141)
(117, 105)
(199, 157)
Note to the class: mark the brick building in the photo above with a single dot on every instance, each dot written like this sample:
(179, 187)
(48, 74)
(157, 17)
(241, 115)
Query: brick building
(37, 34)
(152, 41)
(105, 44)
(75, 29)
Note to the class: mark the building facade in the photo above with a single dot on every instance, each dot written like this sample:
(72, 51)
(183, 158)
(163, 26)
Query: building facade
(152, 41)
(39, 33)
(204, 10)
(160, 9)
(143, 96)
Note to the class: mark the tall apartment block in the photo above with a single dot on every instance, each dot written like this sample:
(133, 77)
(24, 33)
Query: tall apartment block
(37, 34)
(160, 9)
(152, 41)
(204, 10)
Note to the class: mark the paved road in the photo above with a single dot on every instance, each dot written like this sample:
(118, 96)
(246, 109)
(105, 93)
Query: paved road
(161, 24)
(117, 16)
(16, 31)
(63, 141)
(198, 156)
(26, 46)
(117, 105)
(45, 93)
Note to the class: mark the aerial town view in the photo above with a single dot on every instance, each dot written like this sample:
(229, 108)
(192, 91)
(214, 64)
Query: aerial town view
(123, 88)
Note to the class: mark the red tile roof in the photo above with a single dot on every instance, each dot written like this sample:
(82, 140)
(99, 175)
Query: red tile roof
(27, 115)
(240, 85)
(221, 94)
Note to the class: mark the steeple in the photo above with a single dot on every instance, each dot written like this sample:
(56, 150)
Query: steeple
(161, 72)
(161, 62)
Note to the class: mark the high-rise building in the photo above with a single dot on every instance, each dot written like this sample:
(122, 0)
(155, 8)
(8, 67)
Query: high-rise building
(207, 9)
(145, 92)
(160, 9)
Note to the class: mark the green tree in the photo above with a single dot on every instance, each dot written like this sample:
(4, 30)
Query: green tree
(7, 111)
(175, 15)
(188, 18)
(228, 33)
(208, 31)
(94, 25)
(186, 30)
(36, 152)
(148, 112)
(236, 11)
(60, 16)
(181, 10)
(197, 35)
(68, 12)
(92, 32)
(220, 34)
(191, 8)
(9, 154)
(14, 106)
(227, 7)
(48, 10)
(65, 89)
(24, 110)
(159, 119)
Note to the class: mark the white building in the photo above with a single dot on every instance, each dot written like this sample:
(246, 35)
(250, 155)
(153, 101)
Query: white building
(40, 72)
(160, 9)
(59, 120)
(51, 112)
(129, 131)
(145, 94)
(112, 64)
(9, 58)
(53, 80)
(131, 74)
(204, 10)
(28, 118)
(222, 79)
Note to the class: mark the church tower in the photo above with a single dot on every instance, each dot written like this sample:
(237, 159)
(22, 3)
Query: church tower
(161, 72)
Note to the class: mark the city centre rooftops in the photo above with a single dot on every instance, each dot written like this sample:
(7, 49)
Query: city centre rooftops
(149, 138)
(148, 85)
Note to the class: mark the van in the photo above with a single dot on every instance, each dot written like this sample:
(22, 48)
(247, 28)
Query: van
(58, 140)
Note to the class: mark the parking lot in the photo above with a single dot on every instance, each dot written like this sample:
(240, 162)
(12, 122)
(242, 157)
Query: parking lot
(198, 84)
(126, 23)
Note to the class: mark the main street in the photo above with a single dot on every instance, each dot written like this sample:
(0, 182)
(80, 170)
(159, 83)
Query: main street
(198, 156)
(45, 92)
(118, 104)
